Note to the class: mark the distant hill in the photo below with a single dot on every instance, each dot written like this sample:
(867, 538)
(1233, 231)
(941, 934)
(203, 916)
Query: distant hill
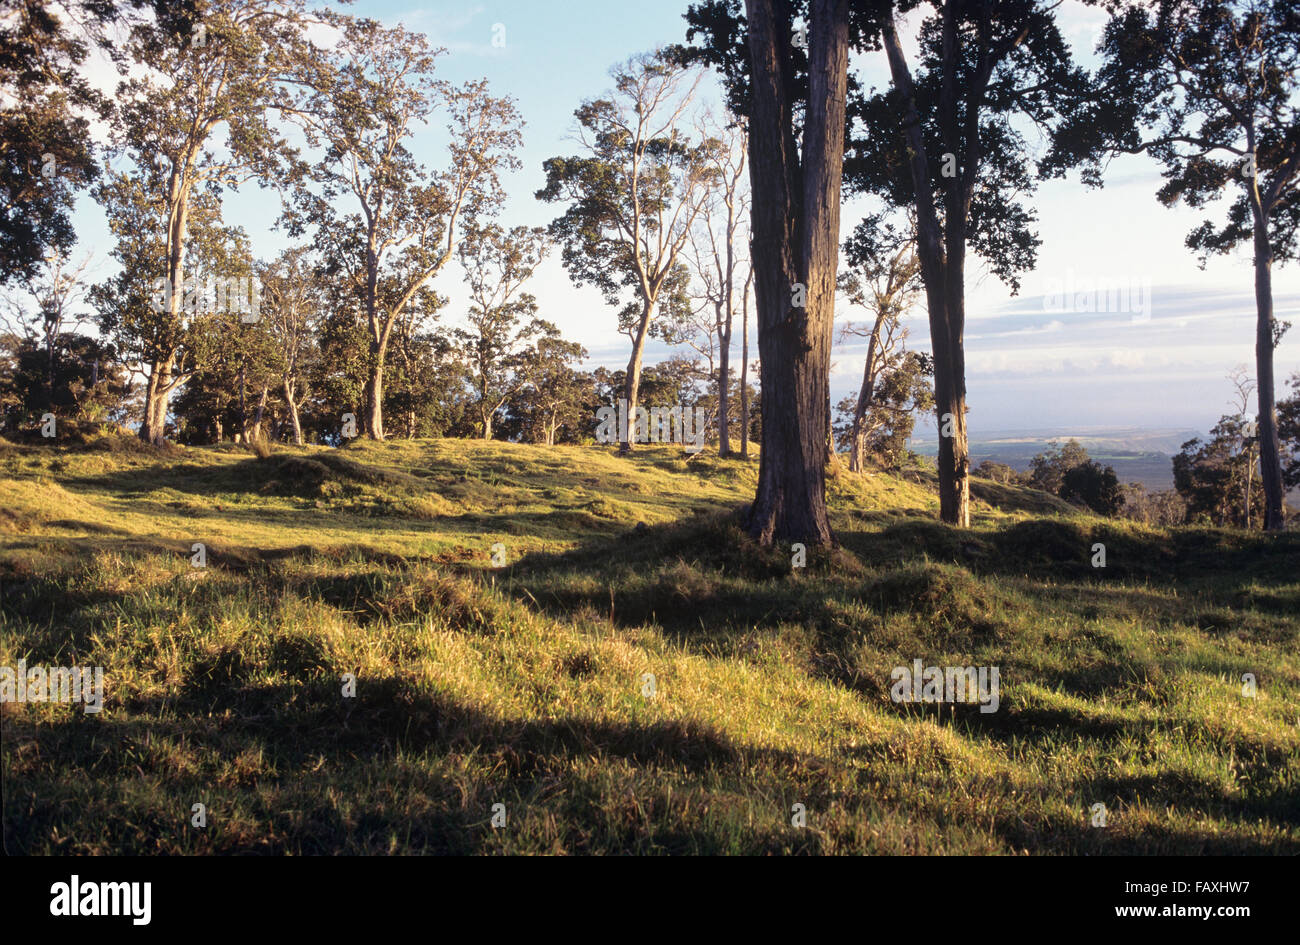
(1137, 455)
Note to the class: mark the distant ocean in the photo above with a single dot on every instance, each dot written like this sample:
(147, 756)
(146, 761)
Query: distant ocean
(1137, 455)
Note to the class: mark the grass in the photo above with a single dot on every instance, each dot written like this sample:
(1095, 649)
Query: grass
(525, 685)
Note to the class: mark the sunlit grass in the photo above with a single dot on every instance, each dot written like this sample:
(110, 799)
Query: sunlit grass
(525, 685)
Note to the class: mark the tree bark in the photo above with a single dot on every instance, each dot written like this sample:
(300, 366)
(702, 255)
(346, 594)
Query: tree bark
(858, 435)
(796, 209)
(942, 273)
(1270, 454)
(744, 371)
(724, 394)
(292, 402)
(157, 389)
(261, 410)
(632, 383)
(375, 394)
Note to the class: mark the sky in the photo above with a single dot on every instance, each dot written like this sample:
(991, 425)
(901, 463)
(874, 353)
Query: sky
(1044, 360)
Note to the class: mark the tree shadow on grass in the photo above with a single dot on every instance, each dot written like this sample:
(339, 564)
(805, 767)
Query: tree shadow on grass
(357, 744)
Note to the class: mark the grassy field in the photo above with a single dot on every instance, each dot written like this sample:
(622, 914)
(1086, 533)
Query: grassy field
(525, 685)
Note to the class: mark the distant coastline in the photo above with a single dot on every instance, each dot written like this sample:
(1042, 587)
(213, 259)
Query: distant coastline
(1137, 454)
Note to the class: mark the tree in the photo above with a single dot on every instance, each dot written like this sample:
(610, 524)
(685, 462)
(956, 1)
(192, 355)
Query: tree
(1047, 470)
(716, 260)
(52, 366)
(1093, 485)
(1165, 507)
(557, 403)
(634, 195)
(745, 431)
(362, 101)
(1211, 89)
(885, 285)
(795, 226)
(1243, 386)
(1211, 475)
(47, 308)
(425, 383)
(998, 472)
(149, 335)
(1067, 471)
(225, 74)
(899, 391)
(1288, 429)
(292, 301)
(791, 87)
(946, 144)
(1217, 475)
(46, 103)
(230, 354)
(503, 326)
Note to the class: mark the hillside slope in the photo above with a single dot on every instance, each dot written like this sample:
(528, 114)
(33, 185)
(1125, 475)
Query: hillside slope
(528, 684)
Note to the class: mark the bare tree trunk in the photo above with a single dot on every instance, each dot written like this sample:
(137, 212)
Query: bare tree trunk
(724, 383)
(243, 406)
(858, 435)
(796, 210)
(632, 383)
(1250, 477)
(950, 406)
(744, 371)
(375, 394)
(50, 344)
(1270, 453)
(942, 273)
(261, 410)
(290, 399)
(157, 390)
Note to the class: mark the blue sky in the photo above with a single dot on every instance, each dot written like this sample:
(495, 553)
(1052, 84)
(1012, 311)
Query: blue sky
(1030, 365)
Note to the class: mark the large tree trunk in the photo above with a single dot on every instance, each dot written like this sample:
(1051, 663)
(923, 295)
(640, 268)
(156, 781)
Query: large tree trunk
(157, 390)
(950, 402)
(1270, 456)
(374, 408)
(796, 212)
(632, 382)
(154, 428)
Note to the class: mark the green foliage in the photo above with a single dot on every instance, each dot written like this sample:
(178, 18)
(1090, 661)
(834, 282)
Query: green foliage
(1208, 88)
(1065, 470)
(1093, 485)
(1212, 476)
(1288, 431)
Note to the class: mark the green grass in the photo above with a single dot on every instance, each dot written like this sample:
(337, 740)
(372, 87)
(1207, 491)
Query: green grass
(523, 685)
